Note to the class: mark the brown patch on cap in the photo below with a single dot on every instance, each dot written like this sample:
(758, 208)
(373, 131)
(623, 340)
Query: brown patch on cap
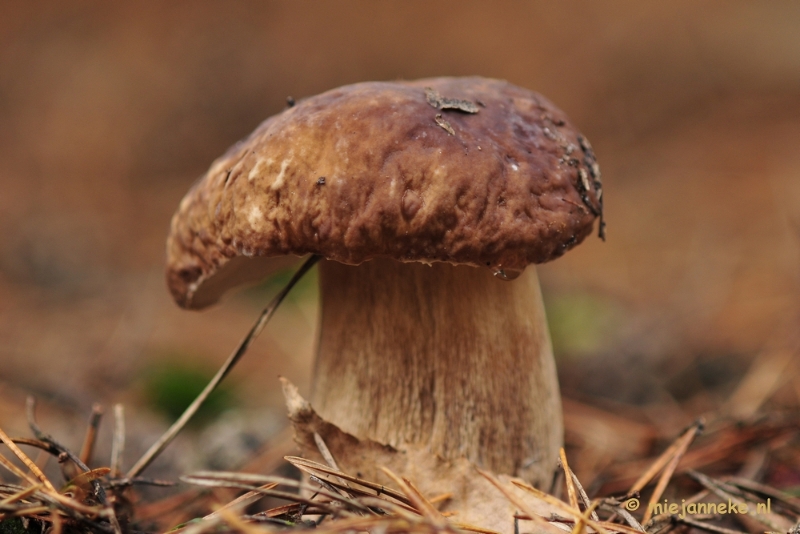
(514, 184)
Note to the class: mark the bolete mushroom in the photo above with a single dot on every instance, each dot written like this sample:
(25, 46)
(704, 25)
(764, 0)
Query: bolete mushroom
(426, 199)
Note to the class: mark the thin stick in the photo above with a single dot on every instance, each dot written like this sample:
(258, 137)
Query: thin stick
(572, 493)
(22, 475)
(516, 501)
(601, 526)
(325, 452)
(246, 480)
(235, 356)
(25, 460)
(41, 435)
(727, 492)
(118, 443)
(625, 514)
(243, 501)
(39, 444)
(359, 494)
(22, 494)
(764, 490)
(419, 501)
(441, 498)
(99, 490)
(29, 512)
(584, 496)
(236, 523)
(580, 524)
(662, 460)
(55, 518)
(91, 434)
(401, 510)
(328, 456)
(310, 466)
(666, 476)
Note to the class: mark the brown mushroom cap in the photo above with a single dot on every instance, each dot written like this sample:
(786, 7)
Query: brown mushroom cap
(461, 170)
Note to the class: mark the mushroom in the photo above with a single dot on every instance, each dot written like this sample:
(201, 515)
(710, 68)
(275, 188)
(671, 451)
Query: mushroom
(427, 200)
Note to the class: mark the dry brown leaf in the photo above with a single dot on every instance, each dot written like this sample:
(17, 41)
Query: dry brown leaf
(474, 499)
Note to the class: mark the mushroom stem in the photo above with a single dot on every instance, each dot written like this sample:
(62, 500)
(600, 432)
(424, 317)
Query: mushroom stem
(443, 356)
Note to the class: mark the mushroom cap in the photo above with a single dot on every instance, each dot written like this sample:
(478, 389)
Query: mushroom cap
(469, 171)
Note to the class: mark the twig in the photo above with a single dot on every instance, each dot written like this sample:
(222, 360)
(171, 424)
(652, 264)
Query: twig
(516, 501)
(662, 460)
(576, 485)
(99, 491)
(582, 493)
(310, 466)
(118, 443)
(25, 460)
(328, 456)
(22, 494)
(727, 492)
(235, 521)
(580, 524)
(418, 500)
(624, 514)
(70, 506)
(243, 501)
(235, 356)
(46, 447)
(125, 482)
(5, 462)
(572, 493)
(246, 481)
(357, 493)
(325, 452)
(327, 485)
(31, 510)
(601, 526)
(683, 444)
(389, 507)
(91, 434)
(766, 491)
(57, 523)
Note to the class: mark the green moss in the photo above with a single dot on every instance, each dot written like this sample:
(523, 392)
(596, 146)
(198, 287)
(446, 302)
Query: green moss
(171, 386)
(580, 323)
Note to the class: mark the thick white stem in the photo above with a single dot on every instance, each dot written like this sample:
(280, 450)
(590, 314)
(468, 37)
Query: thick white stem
(444, 356)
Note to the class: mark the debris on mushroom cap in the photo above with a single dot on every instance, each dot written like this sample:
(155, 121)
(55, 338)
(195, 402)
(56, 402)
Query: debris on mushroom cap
(439, 102)
(503, 187)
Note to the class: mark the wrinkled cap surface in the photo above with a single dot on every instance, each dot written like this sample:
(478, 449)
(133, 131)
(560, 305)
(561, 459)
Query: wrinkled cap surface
(468, 171)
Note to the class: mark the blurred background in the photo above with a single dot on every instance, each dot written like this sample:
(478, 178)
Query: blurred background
(110, 110)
